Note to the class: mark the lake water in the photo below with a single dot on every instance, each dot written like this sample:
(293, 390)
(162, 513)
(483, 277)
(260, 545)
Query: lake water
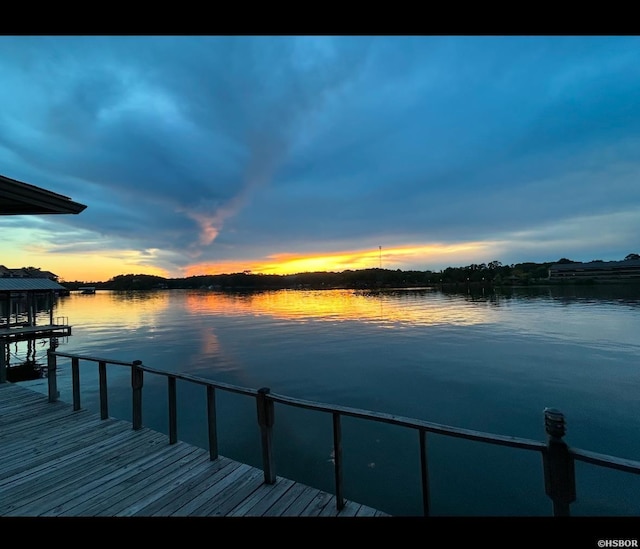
(489, 361)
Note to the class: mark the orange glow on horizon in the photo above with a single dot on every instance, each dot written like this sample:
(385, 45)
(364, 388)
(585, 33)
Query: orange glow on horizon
(388, 258)
(104, 265)
(95, 267)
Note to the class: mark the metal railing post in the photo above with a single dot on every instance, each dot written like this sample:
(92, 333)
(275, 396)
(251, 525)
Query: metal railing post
(3, 361)
(136, 386)
(173, 410)
(104, 400)
(52, 380)
(212, 423)
(337, 460)
(424, 469)
(75, 382)
(266, 420)
(559, 474)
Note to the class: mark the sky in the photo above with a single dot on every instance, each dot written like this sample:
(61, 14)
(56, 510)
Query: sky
(281, 154)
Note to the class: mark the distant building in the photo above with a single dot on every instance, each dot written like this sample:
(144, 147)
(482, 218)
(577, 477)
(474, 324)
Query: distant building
(596, 270)
(26, 272)
(11, 273)
(35, 272)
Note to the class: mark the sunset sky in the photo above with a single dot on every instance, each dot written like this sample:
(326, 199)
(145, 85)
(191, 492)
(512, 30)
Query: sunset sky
(279, 154)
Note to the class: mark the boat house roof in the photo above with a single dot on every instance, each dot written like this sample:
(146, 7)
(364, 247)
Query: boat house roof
(28, 285)
(18, 198)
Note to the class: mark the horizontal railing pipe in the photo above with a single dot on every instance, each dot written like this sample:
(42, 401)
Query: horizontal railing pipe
(92, 358)
(611, 462)
(437, 428)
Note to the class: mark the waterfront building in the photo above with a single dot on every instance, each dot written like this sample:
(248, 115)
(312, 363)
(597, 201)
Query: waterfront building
(628, 269)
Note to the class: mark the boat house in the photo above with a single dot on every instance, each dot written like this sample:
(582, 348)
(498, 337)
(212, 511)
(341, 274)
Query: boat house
(628, 269)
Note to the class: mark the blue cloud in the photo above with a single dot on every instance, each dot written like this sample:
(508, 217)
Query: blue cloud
(290, 143)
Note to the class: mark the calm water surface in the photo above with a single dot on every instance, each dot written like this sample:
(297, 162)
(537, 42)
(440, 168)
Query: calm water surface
(490, 362)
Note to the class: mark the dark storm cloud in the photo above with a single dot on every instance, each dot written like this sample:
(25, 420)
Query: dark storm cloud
(179, 128)
(217, 147)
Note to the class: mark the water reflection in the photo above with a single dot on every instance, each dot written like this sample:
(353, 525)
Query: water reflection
(128, 310)
(391, 308)
(557, 312)
(489, 362)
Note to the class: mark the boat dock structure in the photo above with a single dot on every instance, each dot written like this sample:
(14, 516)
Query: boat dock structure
(22, 301)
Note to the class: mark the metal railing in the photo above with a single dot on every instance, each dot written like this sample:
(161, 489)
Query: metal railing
(558, 458)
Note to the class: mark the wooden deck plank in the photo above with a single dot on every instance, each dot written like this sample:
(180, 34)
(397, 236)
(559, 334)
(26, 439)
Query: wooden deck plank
(38, 464)
(171, 504)
(38, 414)
(58, 443)
(35, 410)
(79, 487)
(279, 507)
(350, 509)
(231, 496)
(29, 472)
(330, 509)
(35, 432)
(365, 511)
(94, 482)
(221, 482)
(59, 486)
(178, 491)
(263, 498)
(316, 505)
(55, 470)
(39, 440)
(300, 503)
(55, 461)
(117, 484)
(13, 403)
(155, 482)
(47, 462)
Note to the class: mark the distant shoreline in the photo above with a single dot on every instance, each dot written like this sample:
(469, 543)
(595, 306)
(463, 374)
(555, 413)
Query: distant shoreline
(493, 274)
(455, 286)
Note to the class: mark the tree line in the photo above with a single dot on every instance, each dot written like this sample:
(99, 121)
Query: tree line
(493, 273)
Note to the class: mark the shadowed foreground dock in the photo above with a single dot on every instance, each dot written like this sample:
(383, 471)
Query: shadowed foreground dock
(55, 461)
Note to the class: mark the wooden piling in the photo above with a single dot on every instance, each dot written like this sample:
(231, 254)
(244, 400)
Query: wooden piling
(265, 421)
(559, 473)
(136, 386)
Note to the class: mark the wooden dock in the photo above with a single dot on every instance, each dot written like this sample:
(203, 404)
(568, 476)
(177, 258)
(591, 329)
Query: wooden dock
(31, 332)
(57, 462)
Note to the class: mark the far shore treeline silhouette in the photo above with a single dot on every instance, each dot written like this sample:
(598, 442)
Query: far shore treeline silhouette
(484, 274)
